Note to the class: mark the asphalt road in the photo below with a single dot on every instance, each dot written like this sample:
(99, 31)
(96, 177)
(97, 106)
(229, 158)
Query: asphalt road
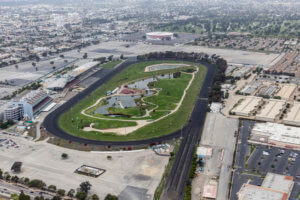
(6, 189)
(198, 115)
(176, 182)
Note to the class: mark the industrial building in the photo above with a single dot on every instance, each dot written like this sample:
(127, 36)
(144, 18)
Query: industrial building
(273, 134)
(271, 110)
(293, 117)
(286, 91)
(246, 105)
(274, 186)
(241, 72)
(249, 89)
(230, 69)
(159, 36)
(267, 91)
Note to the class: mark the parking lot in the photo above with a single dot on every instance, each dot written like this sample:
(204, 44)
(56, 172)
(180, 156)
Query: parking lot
(8, 143)
(41, 160)
(253, 162)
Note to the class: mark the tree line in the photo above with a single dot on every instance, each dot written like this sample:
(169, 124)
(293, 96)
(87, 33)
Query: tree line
(81, 193)
(221, 65)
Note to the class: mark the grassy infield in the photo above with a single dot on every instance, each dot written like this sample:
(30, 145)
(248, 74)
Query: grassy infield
(171, 93)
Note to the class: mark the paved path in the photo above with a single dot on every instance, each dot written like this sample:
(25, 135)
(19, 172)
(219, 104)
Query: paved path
(51, 121)
(140, 123)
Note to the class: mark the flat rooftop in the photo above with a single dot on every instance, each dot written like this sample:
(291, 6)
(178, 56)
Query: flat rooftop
(286, 91)
(268, 90)
(204, 151)
(251, 88)
(294, 115)
(271, 109)
(247, 105)
(274, 186)
(278, 182)
(278, 132)
(253, 192)
(210, 191)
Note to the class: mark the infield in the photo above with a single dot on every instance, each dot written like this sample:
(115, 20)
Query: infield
(165, 110)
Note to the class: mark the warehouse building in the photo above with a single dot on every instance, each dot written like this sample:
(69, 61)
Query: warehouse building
(271, 110)
(250, 88)
(268, 91)
(246, 106)
(241, 72)
(273, 134)
(274, 186)
(230, 69)
(293, 117)
(286, 91)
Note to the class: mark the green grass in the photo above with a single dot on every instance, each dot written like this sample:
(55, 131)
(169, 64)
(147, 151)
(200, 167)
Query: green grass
(133, 111)
(171, 93)
(252, 148)
(111, 64)
(134, 72)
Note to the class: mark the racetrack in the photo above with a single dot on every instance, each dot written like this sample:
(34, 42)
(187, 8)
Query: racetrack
(51, 121)
(176, 182)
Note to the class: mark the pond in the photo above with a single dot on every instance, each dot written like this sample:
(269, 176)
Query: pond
(164, 67)
(128, 101)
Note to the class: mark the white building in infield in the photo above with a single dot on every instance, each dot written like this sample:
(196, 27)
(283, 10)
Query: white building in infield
(274, 134)
(159, 36)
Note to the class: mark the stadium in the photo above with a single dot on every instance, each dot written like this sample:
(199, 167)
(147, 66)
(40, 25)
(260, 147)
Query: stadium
(159, 36)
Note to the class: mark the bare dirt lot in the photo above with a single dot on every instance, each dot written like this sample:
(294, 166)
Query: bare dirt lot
(142, 169)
